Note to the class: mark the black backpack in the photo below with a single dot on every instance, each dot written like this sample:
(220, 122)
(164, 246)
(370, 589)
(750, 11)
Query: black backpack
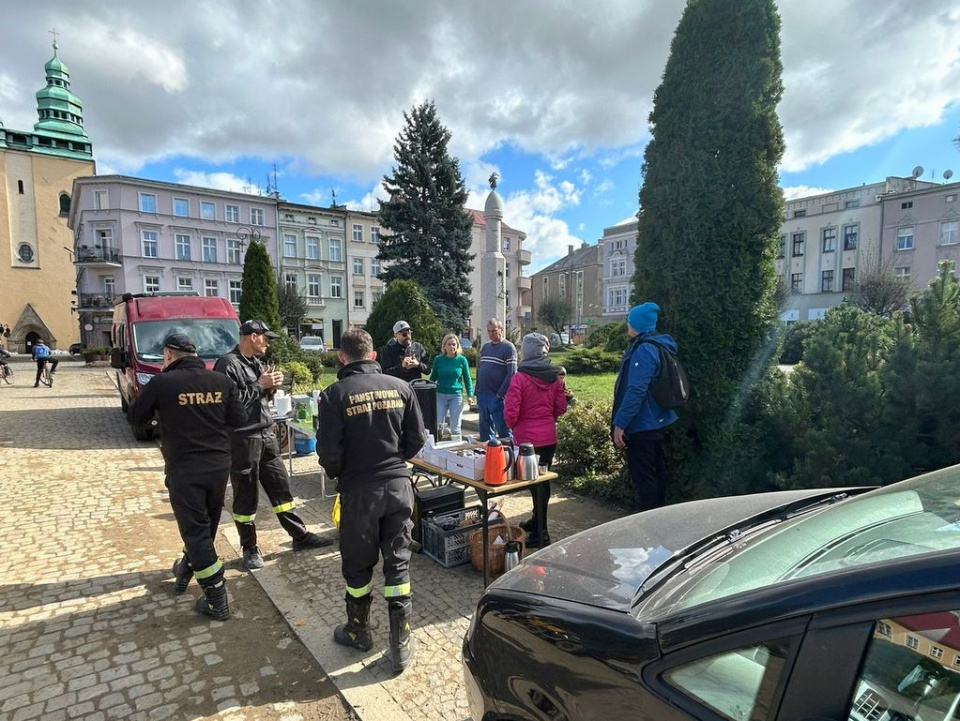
(670, 389)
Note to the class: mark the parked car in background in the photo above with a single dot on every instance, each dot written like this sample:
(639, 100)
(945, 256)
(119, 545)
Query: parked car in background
(810, 604)
(466, 343)
(76, 348)
(312, 343)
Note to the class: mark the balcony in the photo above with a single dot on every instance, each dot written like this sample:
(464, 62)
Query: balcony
(96, 301)
(524, 257)
(98, 256)
(523, 282)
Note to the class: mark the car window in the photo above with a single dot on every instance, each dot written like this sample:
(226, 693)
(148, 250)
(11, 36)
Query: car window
(907, 519)
(911, 671)
(212, 337)
(739, 685)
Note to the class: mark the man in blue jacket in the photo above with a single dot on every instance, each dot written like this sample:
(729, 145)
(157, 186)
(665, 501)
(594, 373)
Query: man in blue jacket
(639, 423)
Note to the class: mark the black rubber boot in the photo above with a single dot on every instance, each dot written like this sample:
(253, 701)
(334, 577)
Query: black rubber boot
(401, 642)
(182, 572)
(214, 602)
(356, 631)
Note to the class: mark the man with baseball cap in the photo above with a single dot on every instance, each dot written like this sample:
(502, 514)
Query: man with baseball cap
(403, 357)
(196, 408)
(255, 449)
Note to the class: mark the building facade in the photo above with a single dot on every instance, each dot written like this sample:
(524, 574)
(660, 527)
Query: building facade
(37, 172)
(314, 262)
(364, 288)
(578, 278)
(617, 248)
(133, 235)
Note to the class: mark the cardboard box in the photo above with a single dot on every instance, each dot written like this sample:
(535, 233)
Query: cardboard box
(466, 466)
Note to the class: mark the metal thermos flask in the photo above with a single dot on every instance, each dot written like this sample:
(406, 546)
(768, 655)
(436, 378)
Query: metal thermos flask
(512, 557)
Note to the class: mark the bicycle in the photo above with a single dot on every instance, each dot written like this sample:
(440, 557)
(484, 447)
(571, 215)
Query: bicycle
(46, 377)
(6, 373)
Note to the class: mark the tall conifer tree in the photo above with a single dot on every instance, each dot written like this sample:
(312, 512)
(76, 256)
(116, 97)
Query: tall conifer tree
(425, 231)
(710, 205)
(258, 297)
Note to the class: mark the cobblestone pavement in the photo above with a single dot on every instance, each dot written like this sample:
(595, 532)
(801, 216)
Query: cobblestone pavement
(89, 626)
(98, 576)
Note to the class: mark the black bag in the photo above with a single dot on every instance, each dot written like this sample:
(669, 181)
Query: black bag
(670, 389)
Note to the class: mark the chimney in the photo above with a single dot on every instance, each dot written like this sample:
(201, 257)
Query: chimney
(569, 250)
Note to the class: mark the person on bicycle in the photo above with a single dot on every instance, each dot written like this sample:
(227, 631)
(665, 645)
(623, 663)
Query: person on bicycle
(41, 354)
(4, 354)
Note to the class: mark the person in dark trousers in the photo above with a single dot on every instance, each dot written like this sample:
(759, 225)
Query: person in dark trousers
(403, 357)
(255, 449)
(370, 425)
(496, 364)
(639, 423)
(196, 408)
(41, 354)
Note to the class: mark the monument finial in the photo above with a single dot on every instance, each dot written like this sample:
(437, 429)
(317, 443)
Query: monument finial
(55, 36)
(494, 177)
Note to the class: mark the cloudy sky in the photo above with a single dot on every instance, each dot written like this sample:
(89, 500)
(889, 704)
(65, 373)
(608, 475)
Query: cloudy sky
(553, 94)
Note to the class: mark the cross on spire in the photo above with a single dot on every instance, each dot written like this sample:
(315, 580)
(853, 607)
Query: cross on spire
(55, 36)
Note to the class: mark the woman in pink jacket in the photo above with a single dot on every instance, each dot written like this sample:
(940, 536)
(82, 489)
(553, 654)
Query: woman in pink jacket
(535, 399)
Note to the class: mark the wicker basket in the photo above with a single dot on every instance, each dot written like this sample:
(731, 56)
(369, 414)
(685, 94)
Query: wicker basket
(495, 552)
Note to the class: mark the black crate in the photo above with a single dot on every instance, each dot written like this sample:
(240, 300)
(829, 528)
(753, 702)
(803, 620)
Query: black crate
(437, 499)
(446, 538)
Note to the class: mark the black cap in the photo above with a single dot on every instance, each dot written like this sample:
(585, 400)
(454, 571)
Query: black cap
(257, 326)
(181, 342)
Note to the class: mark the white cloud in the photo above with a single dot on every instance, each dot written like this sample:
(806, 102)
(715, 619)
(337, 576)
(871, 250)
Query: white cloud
(534, 212)
(605, 187)
(803, 191)
(219, 181)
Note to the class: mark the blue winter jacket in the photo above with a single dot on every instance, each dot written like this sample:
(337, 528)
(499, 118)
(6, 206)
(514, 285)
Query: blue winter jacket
(634, 409)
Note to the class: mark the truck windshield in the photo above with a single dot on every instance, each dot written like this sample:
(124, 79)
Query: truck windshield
(213, 337)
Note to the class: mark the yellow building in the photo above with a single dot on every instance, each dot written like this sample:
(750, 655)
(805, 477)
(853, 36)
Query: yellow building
(37, 169)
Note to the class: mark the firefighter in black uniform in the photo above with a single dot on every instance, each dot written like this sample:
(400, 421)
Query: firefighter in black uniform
(256, 451)
(195, 406)
(370, 424)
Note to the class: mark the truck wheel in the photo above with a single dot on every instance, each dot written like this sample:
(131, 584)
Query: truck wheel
(143, 433)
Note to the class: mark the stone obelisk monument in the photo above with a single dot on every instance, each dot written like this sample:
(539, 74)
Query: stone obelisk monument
(492, 263)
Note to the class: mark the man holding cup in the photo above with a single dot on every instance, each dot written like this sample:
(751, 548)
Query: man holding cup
(403, 357)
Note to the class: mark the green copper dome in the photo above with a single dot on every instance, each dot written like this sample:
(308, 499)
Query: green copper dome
(60, 111)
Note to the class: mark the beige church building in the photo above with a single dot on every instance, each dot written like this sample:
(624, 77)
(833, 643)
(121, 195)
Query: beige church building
(37, 169)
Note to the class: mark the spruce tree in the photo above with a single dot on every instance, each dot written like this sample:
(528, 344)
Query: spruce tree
(258, 298)
(710, 205)
(425, 231)
(403, 300)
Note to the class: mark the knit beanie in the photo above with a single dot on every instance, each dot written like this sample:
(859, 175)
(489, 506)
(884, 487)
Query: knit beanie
(533, 346)
(643, 318)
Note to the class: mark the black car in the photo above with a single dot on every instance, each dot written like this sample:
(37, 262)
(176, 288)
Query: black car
(836, 604)
(75, 348)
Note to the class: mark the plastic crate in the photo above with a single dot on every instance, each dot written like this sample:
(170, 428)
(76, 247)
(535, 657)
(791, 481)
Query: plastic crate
(451, 546)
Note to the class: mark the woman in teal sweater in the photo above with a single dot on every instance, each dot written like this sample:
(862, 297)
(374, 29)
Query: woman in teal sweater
(452, 376)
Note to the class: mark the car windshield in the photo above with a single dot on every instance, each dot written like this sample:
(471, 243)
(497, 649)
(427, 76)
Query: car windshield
(213, 337)
(907, 519)
(311, 341)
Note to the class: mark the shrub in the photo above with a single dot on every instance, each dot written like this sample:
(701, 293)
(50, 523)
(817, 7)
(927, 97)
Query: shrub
(611, 337)
(583, 441)
(299, 372)
(471, 355)
(330, 359)
(314, 362)
(793, 340)
(616, 488)
(585, 361)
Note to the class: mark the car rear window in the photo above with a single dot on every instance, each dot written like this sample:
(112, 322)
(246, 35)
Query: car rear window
(916, 517)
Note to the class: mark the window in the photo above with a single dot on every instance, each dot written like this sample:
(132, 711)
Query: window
(105, 240)
(375, 235)
(256, 216)
(358, 299)
(289, 245)
(235, 290)
(545, 289)
(905, 238)
(290, 281)
(232, 213)
(798, 239)
(902, 273)
(100, 200)
(826, 281)
(374, 267)
(796, 283)
(617, 297)
(183, 246)
(148, 203)
(618, 267)
(313, 286)
(233, 251)
(799, 213)
(829, 240)
(109, 286)
(181, 207)
(883, 628)
(64, 204)
(906, 204)
(948, 233)
(506, 244)
(208, 210)
(211, 287)
(851, 204)
(377, 295)
(950, 198)
(209, 249)
(506, 272)
(184, 284)
(358, 266)
(506, 299)
(562, 283)
(313, 247)
(739, 684)
(783, 246)
(149, 241)
(357, 233)
(25, 253)
(850, 235)
(336, 286)
(849, 275)
(335, 248)
(936, 652)
(151, 284)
